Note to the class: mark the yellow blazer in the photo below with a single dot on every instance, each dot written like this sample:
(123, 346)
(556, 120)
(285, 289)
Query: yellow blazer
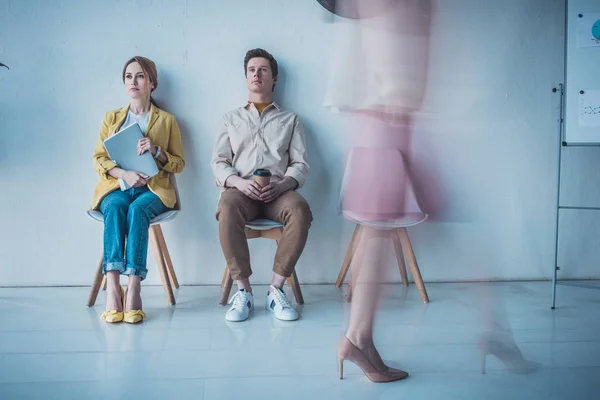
(164, 132)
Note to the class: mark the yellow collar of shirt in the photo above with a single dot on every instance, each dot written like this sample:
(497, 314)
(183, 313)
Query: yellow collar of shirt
(260, 107)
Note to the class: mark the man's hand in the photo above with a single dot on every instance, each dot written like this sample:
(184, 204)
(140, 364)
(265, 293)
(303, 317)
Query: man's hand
(134, 179)
(249, 188)
(275, 189)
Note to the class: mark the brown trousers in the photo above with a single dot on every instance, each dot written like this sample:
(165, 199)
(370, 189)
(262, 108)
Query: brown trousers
(236, 209)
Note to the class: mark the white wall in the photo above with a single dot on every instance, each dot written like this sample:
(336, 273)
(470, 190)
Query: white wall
(486, 140)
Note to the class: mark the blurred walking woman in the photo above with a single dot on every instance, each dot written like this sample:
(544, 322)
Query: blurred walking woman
(378, 81)
(127, 213)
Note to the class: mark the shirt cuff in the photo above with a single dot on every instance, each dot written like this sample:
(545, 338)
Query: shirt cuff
(172, 165)
(106, 166)
(297, 175)
(222, 175)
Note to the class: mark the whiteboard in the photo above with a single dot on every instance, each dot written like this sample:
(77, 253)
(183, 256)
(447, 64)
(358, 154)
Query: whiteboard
(582, 85)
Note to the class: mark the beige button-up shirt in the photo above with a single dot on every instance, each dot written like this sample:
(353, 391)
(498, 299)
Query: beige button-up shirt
(247, 141)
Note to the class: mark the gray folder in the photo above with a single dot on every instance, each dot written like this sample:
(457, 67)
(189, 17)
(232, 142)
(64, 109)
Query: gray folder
(122, 149)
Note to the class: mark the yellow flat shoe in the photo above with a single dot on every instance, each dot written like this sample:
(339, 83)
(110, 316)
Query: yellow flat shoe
(114, 316)
(134, 316)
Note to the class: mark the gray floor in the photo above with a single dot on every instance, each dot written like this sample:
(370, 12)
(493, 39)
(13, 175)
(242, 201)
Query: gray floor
(53, 347)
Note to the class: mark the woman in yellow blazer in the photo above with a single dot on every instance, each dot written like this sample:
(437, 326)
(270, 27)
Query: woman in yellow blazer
(128, 213)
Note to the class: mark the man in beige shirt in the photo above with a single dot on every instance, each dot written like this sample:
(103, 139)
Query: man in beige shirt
(261, 135)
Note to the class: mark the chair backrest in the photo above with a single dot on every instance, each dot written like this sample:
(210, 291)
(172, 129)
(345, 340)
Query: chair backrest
(376, 181)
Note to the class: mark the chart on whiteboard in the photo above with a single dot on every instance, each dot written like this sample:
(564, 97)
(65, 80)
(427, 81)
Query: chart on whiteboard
(589, 108)
(588, 30)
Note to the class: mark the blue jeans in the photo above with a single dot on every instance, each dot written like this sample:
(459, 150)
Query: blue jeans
(128, 214)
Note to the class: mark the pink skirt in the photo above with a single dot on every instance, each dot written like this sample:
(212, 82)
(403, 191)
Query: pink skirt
(377, 184)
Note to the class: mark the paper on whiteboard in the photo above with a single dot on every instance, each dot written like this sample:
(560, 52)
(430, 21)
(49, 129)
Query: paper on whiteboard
(588, 30)
(589, 108)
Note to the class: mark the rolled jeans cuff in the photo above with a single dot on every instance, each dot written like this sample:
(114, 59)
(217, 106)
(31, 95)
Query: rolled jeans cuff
(114, 266)
(135, 270)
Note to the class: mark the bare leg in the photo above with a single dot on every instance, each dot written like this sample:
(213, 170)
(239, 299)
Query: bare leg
(113, 292)
(498, 340)
(244, 284)
(277, 281)
(134, 298)
(366, 297)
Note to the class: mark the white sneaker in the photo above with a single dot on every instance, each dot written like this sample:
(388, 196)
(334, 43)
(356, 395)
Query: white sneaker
(243, 303)
(278, 303)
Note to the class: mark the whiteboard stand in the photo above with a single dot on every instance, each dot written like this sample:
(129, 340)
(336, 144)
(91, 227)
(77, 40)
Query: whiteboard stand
(560, 91)
(582, 57)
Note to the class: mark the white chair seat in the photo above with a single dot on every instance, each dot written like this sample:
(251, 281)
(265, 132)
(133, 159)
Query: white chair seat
(164, 217)
(263, 224)
(97, 215)
(403, 221)
(411, 213)
(159, 219)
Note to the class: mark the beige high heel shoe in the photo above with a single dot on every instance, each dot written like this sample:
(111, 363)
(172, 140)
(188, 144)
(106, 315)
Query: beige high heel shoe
(348, 351)
(502, 345)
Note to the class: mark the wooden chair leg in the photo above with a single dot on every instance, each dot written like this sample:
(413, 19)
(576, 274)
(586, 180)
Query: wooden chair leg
(98, 279)
(412, 263)
(226, 284)
(293, 282)
(160, 262)
(165, 252)
(349, 255)
(400, 256)
(224, 278)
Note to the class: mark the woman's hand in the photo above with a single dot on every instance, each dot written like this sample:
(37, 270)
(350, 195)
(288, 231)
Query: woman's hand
(144, 145)
(134, 179)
